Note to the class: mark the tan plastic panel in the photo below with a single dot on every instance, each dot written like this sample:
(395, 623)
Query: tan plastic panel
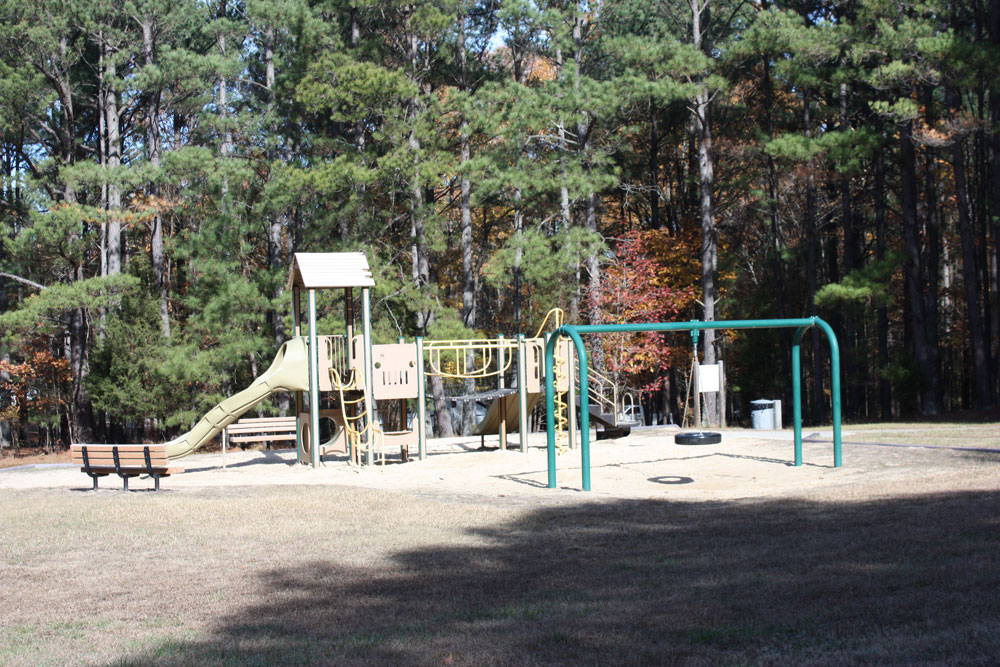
(394, 368)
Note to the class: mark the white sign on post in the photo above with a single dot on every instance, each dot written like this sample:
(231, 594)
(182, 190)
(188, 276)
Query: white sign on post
(708, 378)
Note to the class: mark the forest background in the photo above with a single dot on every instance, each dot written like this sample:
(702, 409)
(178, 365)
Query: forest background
(627, 160)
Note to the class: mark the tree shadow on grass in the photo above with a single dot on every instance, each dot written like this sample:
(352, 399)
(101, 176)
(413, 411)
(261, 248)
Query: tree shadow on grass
(900, 581)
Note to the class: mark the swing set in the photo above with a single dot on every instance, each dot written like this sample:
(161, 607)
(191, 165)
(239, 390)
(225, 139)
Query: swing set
(573, 332)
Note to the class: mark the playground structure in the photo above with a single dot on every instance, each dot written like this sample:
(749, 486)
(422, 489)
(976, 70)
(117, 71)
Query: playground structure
(347, 381)
(694, 326)
(349, 385)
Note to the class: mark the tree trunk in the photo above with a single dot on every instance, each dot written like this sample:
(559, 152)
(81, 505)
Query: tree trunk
(468, 279)
(280, 219)
(418, 239)
(518, 277)
(933, 267)
(994, 194)
(82, 430)
(854, 373)
(772, 194)
(5, 426)
(222, 103)
(913, 270)
(78, 329)
(566, 217)
(654, 166)
(583, 129)
(157, 255)
(812, 265)
(102, 152)
(884, 387)
(114, 160)
(982, 394)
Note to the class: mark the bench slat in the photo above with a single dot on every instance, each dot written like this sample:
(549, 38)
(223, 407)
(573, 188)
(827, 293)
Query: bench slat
(260, 428)
(110, 452)
(120, 448)
(266, 420)
(261, 437)
(127, 454)
(125, 463)
(260, 432)
(130, 456)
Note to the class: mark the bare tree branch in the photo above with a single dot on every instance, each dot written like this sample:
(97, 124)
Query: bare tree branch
(19, 279)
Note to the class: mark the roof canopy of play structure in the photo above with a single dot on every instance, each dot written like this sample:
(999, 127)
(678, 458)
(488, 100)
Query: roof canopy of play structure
(328, 270)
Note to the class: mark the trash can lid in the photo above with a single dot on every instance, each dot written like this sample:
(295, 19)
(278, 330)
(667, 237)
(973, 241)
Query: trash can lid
(763, 402)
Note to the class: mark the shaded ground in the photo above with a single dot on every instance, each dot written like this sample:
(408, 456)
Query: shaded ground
(893, 560)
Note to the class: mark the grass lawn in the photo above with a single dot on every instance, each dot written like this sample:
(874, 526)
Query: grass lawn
(334, 575)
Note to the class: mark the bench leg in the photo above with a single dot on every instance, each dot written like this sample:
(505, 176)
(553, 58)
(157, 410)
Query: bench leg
(86, 467)
(125, 477)
(156, 480)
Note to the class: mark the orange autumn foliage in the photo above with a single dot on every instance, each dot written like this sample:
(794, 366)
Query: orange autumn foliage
(35, 386)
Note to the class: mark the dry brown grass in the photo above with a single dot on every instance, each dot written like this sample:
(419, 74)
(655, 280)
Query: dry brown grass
(326, 575)
(936, 435)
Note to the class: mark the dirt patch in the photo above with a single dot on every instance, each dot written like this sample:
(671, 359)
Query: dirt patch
(645, 465)
(10, 458)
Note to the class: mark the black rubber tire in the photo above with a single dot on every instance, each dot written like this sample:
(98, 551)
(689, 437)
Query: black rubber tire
(698, 438)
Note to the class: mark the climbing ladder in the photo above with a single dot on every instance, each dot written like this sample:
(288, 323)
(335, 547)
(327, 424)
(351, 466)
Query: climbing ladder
(362, 434)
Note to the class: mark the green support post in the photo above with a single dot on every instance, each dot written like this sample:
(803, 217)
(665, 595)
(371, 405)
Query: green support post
(297, 331)
(313, 383)
(501, 362)
(797, 394)
(421, 402)
(369, 373)
(522, 395)
(581, 355)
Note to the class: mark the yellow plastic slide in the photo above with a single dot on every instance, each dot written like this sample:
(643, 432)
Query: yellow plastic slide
(288, 372)
(491, 422)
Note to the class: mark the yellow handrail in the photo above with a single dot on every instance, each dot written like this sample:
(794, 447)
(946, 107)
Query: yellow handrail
(559, 318)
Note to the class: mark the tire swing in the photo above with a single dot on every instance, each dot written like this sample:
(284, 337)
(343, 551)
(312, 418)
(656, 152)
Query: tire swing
(698, 438)
(695, 437)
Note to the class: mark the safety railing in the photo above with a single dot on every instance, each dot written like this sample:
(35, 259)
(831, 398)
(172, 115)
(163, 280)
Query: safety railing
(609, 397)
(470, 359)
(335, 349)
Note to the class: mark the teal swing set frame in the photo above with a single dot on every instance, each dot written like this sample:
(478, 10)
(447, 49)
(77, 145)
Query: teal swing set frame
(574, 332)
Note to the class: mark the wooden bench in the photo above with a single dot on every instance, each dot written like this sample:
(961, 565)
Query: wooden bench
(125, 461)
(260, 429)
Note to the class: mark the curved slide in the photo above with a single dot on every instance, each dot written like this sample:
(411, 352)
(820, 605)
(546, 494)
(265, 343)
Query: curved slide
(491, 422)
(288, 372)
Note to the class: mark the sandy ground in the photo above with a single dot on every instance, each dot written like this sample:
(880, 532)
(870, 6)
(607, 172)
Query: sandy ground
(646, 464)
